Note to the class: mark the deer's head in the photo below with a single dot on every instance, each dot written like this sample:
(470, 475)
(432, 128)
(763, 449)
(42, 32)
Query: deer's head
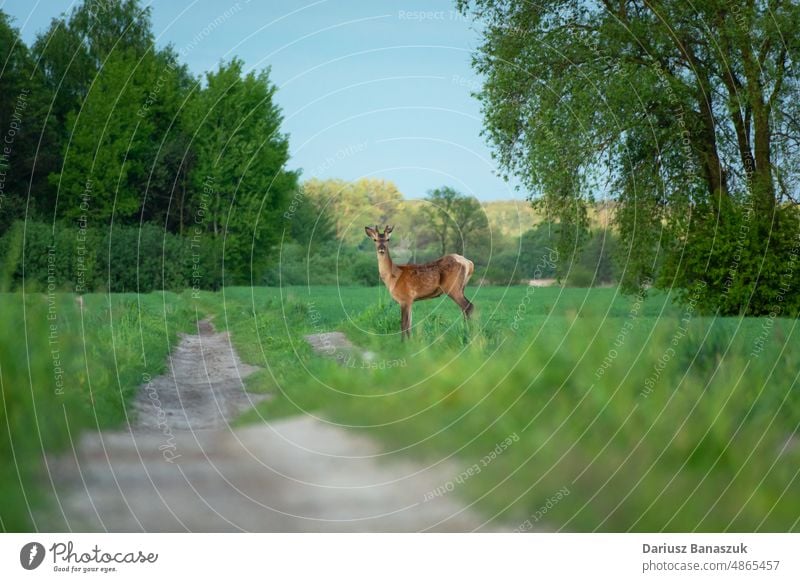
(381, 239)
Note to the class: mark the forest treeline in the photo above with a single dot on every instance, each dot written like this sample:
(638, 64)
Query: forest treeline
(509, 242)
(122, 171)
(131, 163)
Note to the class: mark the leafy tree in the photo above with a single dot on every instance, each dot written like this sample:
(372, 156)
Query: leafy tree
(471, 226)
(688, 111)
(355, 204)
(64, 60)
(111, 26)
(69, 55)
(110, 142)
(22, 122)
(528, 256)
(112, 93)
(439, 214)
(241, 185)
(454, 219)
(594, 265)
(75, 46)
(311, 223)
(171, 157)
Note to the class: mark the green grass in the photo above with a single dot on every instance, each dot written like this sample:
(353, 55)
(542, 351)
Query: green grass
(647, 416)
(689, 424)
(63, 371)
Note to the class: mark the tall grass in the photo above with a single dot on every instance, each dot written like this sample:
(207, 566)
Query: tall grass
(649, 417)
(617, 413)
(65, 369)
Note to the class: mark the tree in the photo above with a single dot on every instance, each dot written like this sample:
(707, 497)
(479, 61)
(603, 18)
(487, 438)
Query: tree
(454, 219)
(471, 227)
(71, 56)
(525, 257)
(356, 204)
(687, 115)
(311, 223)
(17, 123)
(171, 157)
(23, 121)
(240, 182)
(116, 100)
(439, 214)
(105, 162)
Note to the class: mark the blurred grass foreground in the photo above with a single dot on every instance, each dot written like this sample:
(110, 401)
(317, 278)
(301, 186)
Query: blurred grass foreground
(569, 409)
(65, 367)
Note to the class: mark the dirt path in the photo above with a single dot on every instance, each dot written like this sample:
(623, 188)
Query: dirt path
(182, 467)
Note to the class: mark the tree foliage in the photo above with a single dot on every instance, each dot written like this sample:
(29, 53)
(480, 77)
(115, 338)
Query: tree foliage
(113, 129)
(355, 204)
(105, 158)
(23, 121)
(241, 183)
(455, 220)
(683, 113)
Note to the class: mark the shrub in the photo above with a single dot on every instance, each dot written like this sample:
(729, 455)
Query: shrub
(141, 260)
(120, 259)
(735, 264)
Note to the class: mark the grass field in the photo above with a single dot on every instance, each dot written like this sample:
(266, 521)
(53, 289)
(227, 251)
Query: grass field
(63, 370)
(567, 409)
(623, 413)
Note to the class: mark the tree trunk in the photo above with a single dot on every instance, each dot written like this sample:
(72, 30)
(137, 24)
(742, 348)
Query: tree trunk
(709, 155)
(183, 201)
(762, 184)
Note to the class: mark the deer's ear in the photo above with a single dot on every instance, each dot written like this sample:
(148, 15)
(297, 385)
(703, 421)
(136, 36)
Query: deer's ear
(387, 232)
(371, 232)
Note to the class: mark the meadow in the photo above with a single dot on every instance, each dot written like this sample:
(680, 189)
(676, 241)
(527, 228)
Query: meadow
(562, 408)
(67, 368)
(624, 413)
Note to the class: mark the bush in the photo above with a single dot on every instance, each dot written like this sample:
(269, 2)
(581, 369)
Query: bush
(738, 264)
(594, 265)
(123, 258)
(43, 255)
(580, 275)
(141, 260)
(329, 264)
(364, 270)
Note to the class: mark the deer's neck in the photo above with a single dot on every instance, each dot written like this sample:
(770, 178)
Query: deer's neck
(386, 268)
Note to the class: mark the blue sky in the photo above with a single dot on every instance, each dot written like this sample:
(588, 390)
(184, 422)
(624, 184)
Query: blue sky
(368, 88)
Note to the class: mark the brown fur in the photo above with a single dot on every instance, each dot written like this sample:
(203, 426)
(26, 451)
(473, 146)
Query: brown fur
(408, 283)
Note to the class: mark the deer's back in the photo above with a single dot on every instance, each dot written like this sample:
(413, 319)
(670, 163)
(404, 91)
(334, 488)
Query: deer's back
(425, 280)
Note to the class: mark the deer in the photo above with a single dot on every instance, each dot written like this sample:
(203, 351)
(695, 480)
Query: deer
(446, 275)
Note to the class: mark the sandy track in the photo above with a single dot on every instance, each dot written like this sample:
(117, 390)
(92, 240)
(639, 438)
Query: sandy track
(181, 467)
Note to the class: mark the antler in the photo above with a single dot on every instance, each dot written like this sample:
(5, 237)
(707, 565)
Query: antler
(388, 229)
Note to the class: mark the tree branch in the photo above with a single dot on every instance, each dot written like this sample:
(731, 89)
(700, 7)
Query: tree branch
(780, 64)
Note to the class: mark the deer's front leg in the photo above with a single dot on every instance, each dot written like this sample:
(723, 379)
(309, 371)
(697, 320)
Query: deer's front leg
(405, 320)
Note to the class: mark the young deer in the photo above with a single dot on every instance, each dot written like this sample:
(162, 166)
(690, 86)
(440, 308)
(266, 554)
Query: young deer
(409, 283)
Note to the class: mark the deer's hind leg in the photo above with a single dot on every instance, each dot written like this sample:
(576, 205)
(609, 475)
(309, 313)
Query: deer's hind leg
(465, 304)
(405, 320)
(455, 291)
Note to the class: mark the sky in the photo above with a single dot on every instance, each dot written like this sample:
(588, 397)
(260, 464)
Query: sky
(377, 89)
